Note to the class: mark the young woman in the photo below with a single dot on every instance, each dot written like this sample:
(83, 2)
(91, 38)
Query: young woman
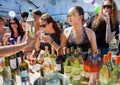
(77, 35)
(105, 25)
(53, 35)
(16, 31)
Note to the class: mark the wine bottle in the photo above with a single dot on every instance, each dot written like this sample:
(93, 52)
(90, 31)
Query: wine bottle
(110, 66)
(46, 56)
(30, 24)
(72, 54)
(88, 62)
(25, 80)
(52, 60)
(19, 59)
(59, 62)
(13, 65)
(104, 72)
(68, 65)
(7, 75)
(115, 74)
(76, 69)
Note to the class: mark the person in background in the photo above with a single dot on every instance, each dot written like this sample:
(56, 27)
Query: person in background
(24, 15)
(65, 25)
(77, 35)
(36, 15)
(2, 31)
(53, 36)
(59, 24)
(16, 31)
(105, 25)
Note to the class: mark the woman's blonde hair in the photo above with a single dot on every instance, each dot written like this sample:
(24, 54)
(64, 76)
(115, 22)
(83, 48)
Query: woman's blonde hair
(113, 15)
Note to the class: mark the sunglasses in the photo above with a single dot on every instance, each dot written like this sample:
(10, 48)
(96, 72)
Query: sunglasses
(13, 23)
(70, 15)
(43, 26)
(107, 6)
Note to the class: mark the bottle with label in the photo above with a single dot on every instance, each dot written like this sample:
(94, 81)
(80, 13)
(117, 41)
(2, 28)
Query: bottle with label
(88, 62)
(7, 75)
(110, 66)
(30, 24)
(19, 59)
(59, 62)
(104, 72)
(52, 60)
(46, 56)
(25, 80)
(68, 65)
(13, 65)
(115, 74)
(76, 72)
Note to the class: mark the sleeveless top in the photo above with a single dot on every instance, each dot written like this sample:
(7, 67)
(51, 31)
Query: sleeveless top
(54, 36)
(84, 44)
(12, 40)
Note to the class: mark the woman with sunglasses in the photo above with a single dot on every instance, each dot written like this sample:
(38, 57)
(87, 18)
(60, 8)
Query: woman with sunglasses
(16, 31)
(77, 35)
(53, 35)
(105, 25)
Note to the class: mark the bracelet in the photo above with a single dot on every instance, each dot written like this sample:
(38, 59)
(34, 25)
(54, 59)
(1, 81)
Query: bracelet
(51, 41)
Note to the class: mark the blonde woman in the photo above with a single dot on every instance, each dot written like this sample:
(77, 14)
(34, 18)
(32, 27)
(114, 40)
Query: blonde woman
(105, 24)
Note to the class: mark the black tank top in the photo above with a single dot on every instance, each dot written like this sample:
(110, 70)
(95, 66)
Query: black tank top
(84, 44)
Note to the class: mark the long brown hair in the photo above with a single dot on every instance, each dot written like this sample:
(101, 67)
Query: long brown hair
(49, 19)
(113, 15)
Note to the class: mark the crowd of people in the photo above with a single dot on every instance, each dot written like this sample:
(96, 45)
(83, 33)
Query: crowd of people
(98, 32)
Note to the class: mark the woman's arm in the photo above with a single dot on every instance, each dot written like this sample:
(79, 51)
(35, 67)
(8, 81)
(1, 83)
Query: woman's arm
(12, 49)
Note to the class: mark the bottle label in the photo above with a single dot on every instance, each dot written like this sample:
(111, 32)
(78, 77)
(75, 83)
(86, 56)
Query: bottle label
(24, 76)
(13, 64)
(19, 60)
(58, 67)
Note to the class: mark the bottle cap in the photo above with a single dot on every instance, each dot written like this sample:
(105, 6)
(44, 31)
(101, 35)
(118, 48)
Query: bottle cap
(105, 58)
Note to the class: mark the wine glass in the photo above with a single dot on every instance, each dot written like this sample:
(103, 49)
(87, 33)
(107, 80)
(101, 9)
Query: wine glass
(42, 32)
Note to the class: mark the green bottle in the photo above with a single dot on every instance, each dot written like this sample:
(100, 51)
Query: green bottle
(115, 74)
(104, 78)
(7, 75)
(25, 80)
(76, 72)
(13, 65)
(68, 65)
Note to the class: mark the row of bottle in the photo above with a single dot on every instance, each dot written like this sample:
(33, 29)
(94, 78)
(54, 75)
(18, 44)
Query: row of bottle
(10, 70)
(110, 71)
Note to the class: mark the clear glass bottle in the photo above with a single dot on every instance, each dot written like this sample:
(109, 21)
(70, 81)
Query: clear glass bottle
(30, 24)
(52, 60)
(7, 75)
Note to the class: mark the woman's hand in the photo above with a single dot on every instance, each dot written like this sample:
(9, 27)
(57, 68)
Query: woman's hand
(47, 38)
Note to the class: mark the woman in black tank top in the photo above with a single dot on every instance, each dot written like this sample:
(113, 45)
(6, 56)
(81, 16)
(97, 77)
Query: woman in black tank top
(53, 35)
(77, 35)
